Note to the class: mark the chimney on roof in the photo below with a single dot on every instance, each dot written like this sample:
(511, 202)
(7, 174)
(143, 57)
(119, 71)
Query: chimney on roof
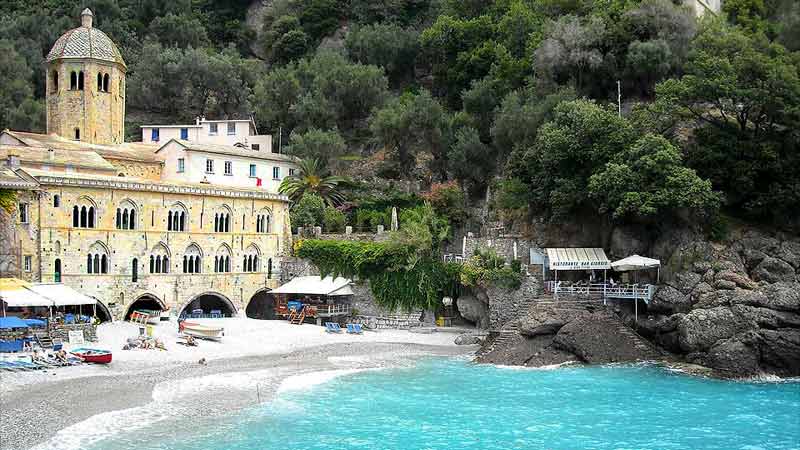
(86, 18)
(12, 160)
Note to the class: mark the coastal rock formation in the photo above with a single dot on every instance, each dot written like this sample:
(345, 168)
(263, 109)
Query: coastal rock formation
(734, 308)
(578, 333)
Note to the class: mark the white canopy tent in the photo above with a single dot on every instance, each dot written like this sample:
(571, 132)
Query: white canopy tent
(314, 285)
(636, 262)
(16, 293)
(61, 294)
(578, 259)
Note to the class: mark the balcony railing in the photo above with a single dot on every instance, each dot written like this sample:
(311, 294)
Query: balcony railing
(601, 290)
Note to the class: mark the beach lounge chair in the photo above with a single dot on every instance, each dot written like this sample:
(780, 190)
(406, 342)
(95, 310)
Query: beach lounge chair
(69, 318)
(354, 328)
(216, 314)
(9, 367)
(332, 327)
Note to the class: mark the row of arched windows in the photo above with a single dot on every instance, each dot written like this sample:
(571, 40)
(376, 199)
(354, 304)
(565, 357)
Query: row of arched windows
(126, 219)
(76, 81)
(159, 264)
(263, 223)
(222, 223)
(83, 217)
(222, 263)
(97, 261)
(176, 221)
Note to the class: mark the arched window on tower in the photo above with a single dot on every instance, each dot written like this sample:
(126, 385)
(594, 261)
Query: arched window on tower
(77, 134)
(73, 81)
(80, 80)
(105, 83)
(54, 83)
(99, 82)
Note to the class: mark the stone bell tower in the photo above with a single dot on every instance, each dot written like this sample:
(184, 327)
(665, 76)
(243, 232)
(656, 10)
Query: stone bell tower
(86, 86)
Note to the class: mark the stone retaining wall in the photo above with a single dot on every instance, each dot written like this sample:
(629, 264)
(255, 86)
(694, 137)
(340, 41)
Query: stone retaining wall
(506, 305)
(391, 321)
(62, 331)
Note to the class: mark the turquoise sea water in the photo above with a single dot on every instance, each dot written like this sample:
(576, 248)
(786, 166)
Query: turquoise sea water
(453, 404)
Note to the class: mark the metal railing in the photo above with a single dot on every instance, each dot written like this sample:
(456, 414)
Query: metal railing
(601, 290)
(452, 257)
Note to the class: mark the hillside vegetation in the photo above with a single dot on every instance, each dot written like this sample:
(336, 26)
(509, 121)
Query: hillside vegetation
(516, 95)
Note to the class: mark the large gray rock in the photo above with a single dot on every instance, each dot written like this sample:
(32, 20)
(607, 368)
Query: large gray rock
(669, 300)
(780, 351)
(536, 329)
(767, 318)
(626, 241)
(597, 340)
(782, 296)
(473, 310)
(737, 279)
(773, 270)
(700, 329)
(735, 357)
(789, 251)
(686, 281)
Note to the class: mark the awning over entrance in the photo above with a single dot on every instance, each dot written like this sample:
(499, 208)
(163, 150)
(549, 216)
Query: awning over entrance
(578, 259)
(16, 293)
(316, 286)
(635, 262)
(61, 294)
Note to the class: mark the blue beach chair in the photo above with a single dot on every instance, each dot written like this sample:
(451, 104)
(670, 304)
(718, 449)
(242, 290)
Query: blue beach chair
(332, 327)
(216, 313)
(354, 328)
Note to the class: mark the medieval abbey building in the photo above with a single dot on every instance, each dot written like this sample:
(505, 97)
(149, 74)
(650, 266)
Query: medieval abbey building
(167, 224)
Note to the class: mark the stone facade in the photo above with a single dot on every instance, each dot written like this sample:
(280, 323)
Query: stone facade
(70, 246)
(506, 305)
(20, 240)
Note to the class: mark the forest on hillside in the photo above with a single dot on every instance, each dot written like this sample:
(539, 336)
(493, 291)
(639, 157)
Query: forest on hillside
(461, 96)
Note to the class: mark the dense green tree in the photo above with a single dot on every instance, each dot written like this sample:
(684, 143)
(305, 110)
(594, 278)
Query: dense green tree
(185, 83)
(319, 17)
(470, 160)
(408, 125)
(317, 144)
(183, 30)
(581, 138)
(648, 180)
(744, 92)
(572, 50)
(308, 211)
(290, 46)
(385, 45)
(18, 109)
(402, 12)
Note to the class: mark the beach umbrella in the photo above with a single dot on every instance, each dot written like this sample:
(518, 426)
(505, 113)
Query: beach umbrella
(636, 262)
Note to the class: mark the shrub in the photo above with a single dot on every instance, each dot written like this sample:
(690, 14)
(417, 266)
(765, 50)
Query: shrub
(448, 201)
(333, 220)
(308, 212)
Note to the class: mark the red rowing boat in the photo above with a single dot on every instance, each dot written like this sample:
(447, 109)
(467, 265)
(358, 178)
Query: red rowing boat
(93, 355)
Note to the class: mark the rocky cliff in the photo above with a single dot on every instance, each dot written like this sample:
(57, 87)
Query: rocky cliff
(733, 307)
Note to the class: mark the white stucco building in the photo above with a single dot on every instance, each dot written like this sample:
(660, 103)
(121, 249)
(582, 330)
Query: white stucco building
(241, 132)
(224, 165)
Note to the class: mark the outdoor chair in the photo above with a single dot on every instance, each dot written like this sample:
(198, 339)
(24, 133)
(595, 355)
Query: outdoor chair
(69, 318)
(197, 313)
(354, 328)
(332, 327)
(216, 313)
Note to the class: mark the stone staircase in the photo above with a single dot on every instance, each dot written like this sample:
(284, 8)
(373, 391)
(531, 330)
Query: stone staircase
(43, 339)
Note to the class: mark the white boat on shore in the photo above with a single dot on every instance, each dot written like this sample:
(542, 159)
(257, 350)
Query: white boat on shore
(202, 331)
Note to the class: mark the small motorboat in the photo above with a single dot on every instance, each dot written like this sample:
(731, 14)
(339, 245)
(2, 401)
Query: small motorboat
(92, 355)
(201, 331)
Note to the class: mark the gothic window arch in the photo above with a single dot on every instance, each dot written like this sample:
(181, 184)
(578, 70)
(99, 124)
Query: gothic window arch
(77, 134)
(99, 82)
(80, 80)
(73, 81)
(97, 260)
(222, 260)
(54, 84)
(177, 218)
(252, 259)
(192, 259)
(222, 220)
(264, 221)
(84, 213)
(126, 216)
(135, 270)
(105, 83)
(159, 259)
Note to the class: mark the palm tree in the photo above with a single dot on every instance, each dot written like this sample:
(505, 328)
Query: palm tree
(312, 178)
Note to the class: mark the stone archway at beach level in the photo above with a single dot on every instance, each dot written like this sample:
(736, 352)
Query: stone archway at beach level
(261, 306)
(146, 301)
(208, 302)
